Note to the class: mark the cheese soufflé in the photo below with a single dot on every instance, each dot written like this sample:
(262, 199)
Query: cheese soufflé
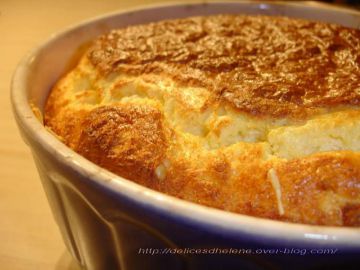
(256, 115)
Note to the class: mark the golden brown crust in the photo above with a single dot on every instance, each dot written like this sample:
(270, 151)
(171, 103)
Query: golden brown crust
(127, 140)
(175, 106)
(330, 181)
(351, 215)
(264, 66)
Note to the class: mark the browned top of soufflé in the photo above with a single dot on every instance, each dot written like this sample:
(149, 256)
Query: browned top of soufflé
(255, 115)
(273, 66)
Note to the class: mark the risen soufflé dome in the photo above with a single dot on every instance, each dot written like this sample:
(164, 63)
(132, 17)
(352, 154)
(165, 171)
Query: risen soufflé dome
(256, 115)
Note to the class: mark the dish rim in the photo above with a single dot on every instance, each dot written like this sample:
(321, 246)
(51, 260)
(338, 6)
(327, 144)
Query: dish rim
(189, 212)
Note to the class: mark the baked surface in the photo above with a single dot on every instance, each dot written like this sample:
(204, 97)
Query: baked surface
(252, 114)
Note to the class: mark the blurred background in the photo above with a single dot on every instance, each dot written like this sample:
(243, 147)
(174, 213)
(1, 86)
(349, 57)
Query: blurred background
(354, 3)
(29, 238)
(351, 3)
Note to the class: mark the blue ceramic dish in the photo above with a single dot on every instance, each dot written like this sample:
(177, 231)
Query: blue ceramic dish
(108, 222)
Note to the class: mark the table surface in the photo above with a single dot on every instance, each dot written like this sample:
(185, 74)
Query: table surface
(29, 237)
